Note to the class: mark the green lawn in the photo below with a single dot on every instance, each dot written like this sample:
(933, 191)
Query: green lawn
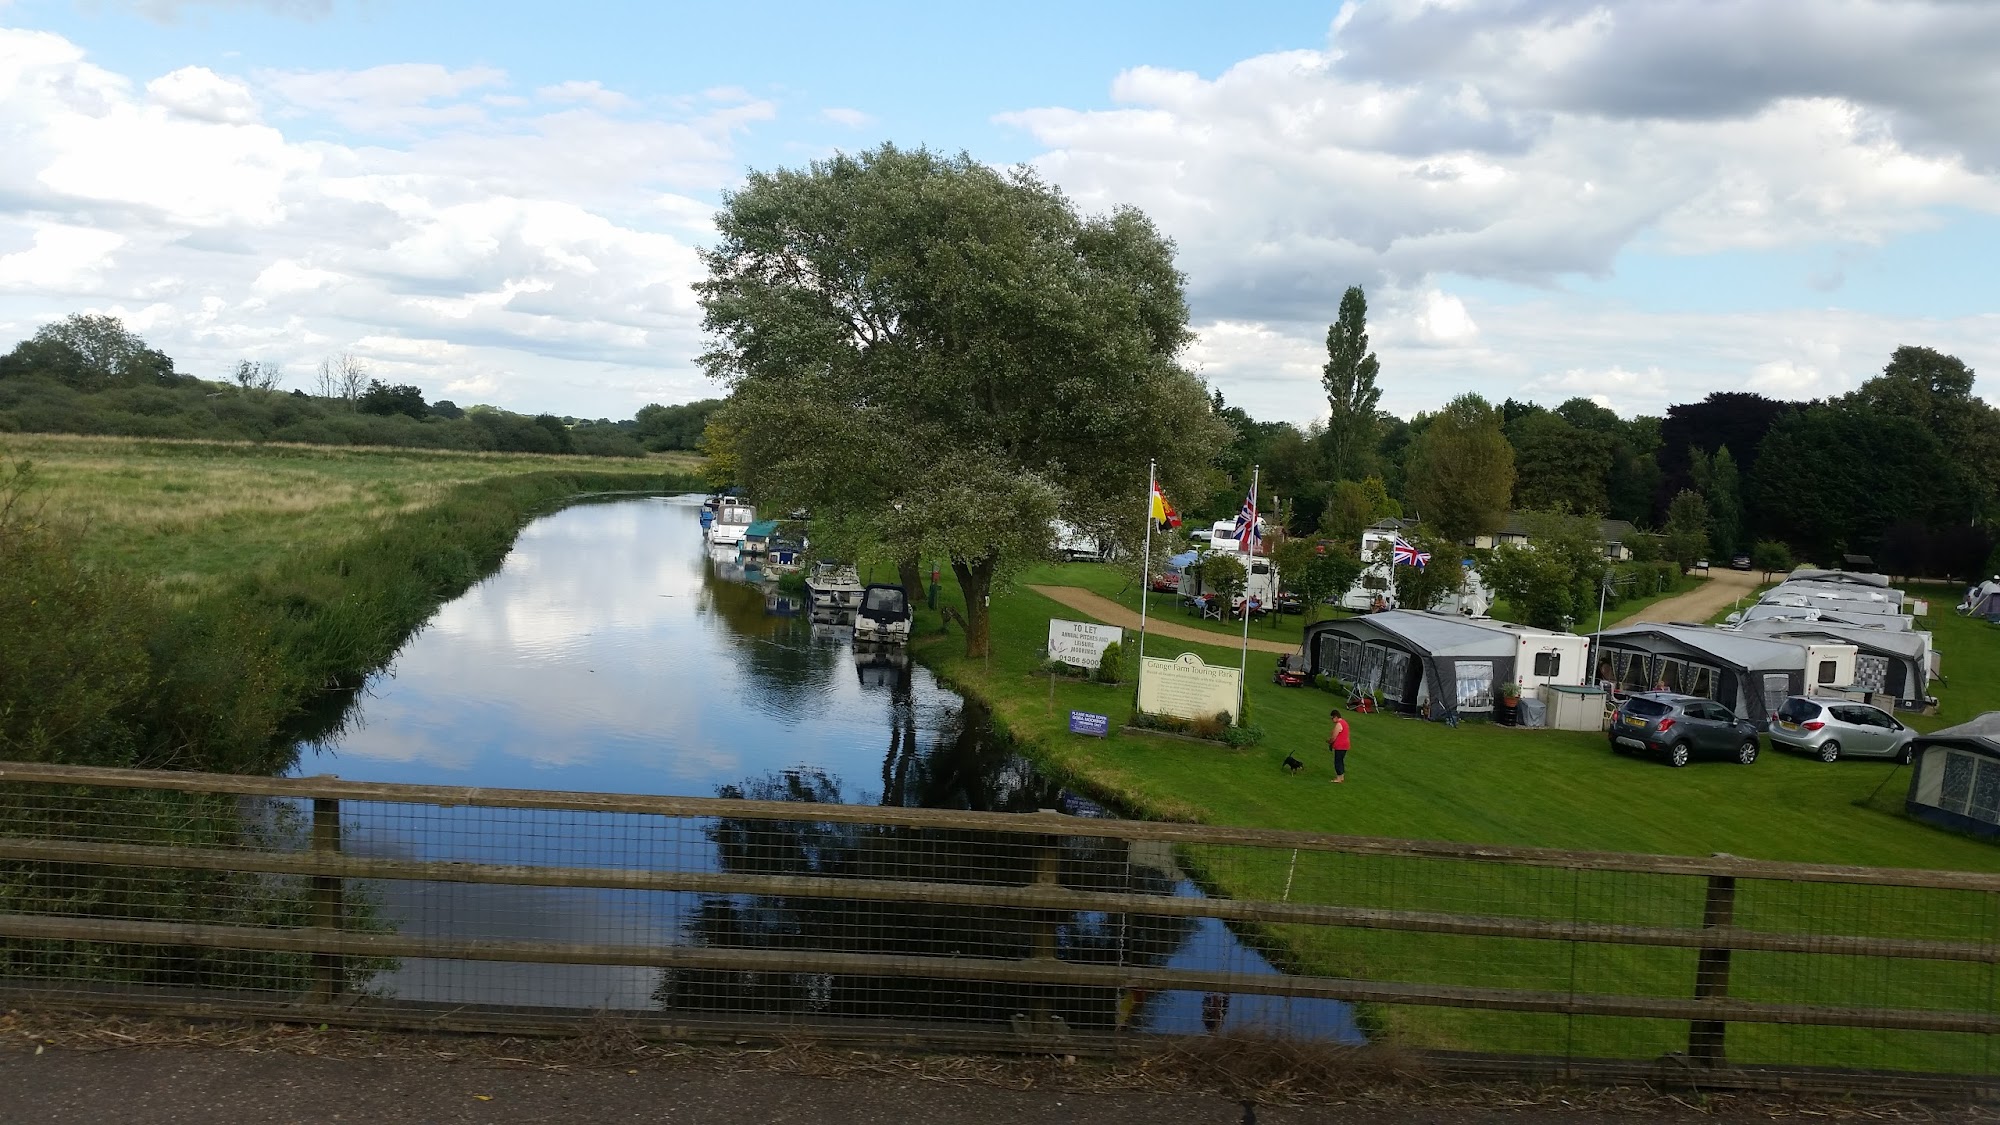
(1484, 784)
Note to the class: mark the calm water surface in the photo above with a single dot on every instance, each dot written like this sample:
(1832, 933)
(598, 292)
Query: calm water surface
(612, 653)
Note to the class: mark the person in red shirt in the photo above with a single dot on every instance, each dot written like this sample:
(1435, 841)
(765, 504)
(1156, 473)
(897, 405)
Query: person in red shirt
(1337, 742)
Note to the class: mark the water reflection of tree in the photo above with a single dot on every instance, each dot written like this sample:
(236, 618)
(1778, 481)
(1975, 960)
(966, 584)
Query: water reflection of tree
(965, 768)
(776, 651)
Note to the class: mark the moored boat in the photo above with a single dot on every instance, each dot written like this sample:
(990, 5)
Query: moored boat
(834, 586)
(884, 616)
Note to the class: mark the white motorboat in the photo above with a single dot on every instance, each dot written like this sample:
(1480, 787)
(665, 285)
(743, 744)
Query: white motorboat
(732, 521)
(834, 586)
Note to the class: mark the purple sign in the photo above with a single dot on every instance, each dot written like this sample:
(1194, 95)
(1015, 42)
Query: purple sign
(1083, 722)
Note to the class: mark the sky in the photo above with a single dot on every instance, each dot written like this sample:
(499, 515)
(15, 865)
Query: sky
(504, 202)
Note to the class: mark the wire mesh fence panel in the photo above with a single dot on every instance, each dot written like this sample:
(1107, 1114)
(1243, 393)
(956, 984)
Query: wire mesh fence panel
(779, 910)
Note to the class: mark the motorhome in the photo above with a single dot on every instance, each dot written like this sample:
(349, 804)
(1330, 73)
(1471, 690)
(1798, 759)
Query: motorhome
(1378, 572)
(1260, 574)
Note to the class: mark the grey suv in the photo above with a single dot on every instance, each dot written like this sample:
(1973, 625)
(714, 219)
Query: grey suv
(1678, 728)
(1833, 729)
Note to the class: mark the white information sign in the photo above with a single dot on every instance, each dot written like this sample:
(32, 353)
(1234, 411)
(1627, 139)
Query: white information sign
(1081, 644)
(1187, 688)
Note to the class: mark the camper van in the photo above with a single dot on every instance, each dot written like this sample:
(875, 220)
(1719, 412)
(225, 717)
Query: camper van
(1260, 574)
(1378, 574)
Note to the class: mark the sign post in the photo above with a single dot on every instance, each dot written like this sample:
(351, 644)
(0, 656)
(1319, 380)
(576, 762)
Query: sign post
(1081, 644)
(1087, 723)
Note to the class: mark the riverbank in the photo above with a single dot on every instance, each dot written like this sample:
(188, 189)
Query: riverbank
(205, 604)
(1479, 783)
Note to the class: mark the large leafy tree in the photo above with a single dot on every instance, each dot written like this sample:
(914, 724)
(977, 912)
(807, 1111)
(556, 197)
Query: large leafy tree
(1719, 484)
(1552, 583)
(1837, 477)
(1558, 464)
(1352, 429)
(1461, 470)
(950, 357)
(90, 352)
(1686, 532)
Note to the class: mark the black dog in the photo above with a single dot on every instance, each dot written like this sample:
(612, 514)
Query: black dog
(1292, 763)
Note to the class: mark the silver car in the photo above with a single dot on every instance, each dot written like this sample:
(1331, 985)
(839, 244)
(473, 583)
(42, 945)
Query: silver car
(1830, 729)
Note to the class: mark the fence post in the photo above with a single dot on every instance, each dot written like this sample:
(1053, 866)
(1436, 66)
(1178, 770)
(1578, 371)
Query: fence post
(1711, 973)
(328, 900)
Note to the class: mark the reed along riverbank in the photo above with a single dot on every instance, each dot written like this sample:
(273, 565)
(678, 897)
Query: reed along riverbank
(203, 605)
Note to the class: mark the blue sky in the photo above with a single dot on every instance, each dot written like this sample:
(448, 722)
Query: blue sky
(501, 202)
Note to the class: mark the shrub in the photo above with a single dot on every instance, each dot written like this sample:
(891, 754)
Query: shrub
(1241, 736)
(1110, 666)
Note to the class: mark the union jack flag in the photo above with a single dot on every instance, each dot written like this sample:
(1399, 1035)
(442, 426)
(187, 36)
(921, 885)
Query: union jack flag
(1248, 532)
(1405, 553)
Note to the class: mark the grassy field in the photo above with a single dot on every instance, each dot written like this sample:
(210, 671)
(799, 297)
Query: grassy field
(202, 605)
(1481, 783)
(191, 515)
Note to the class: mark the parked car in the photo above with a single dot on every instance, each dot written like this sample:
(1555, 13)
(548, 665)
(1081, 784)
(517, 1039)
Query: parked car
(1830, 729)
(1679, 728)
(1739, 562)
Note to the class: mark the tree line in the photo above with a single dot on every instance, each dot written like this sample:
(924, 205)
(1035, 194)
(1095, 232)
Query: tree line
(90, 374)
(1904, 469)
(940, 358)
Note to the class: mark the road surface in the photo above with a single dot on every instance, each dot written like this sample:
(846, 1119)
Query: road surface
(1701, 603)
(220, 1086)
(1108, 612)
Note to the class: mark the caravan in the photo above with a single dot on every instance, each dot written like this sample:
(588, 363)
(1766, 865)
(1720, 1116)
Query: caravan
(1377, 582)
(1260, 574)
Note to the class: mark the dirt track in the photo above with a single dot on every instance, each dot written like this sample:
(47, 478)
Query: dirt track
(1700, 603)
(1108, 612)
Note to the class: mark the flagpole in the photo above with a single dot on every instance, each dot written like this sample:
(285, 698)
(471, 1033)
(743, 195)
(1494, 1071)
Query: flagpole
(1248, 541)
(1146, 560)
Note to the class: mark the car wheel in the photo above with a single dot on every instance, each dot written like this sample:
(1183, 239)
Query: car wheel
(1677, 756)
(1906, 755)
(1829, 751)
(1747, 753)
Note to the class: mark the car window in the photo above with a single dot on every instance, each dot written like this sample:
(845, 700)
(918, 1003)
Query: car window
(1857, 716)
(1646, 708)
(1798, 710)
(1876, 718)
(1717, 712)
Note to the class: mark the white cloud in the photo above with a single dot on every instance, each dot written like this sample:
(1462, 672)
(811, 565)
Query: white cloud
(1528, 142)
(62, 258)
(541, 258)
(200, 93)
(393, 98)
(1444, 319)
(592, 94)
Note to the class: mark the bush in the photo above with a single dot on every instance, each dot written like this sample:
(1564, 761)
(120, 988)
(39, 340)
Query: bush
(1241, 736)
(1110, 666)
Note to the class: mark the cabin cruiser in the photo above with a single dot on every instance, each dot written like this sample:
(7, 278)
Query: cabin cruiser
(732, 519)
(884, 616)
(834, 586)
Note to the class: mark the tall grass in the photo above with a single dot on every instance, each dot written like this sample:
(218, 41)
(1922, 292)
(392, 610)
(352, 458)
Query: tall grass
(193, 605)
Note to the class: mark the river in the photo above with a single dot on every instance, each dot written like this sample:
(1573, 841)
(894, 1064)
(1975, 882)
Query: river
(611, 652)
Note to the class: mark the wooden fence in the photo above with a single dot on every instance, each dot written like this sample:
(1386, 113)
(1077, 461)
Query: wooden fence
(40, 849)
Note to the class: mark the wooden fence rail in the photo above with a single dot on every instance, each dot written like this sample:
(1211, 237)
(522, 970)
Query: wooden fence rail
(330, 942)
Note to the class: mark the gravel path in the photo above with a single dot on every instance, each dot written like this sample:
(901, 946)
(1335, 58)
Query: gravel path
(1107, 612)
(1701, 603)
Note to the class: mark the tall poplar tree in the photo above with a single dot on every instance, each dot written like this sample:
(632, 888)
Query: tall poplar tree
(1351, 393)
